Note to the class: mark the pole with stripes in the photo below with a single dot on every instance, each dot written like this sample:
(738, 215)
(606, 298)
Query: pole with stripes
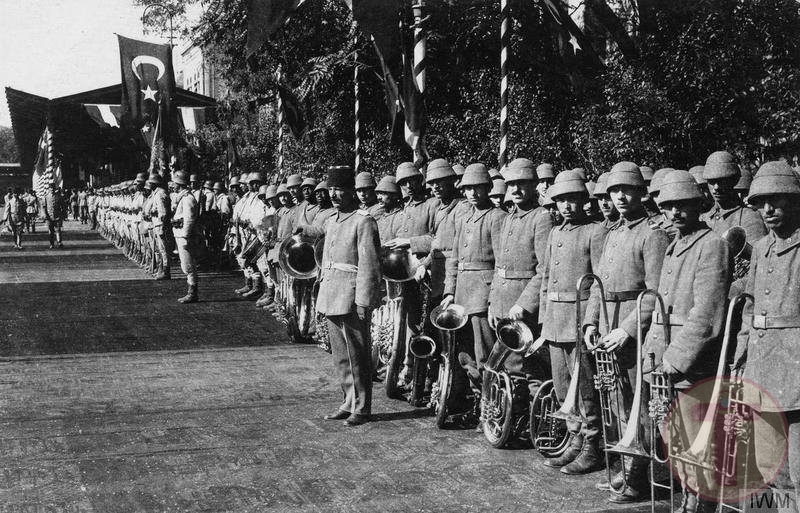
(505, 37)
(279, 76)
(356, 105)
(419, 69)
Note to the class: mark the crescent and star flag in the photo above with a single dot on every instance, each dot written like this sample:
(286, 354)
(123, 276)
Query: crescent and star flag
(264, 17)
(45, 171)
(148, 80)
(574, 47)
(292, 113)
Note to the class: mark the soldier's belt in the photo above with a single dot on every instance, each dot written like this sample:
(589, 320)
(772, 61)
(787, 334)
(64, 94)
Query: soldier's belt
(765, 322)
(510, 274)
(671, 320)
(623, 295)
(348, 268)
(566, 296)
(475, 266)
(439, 254)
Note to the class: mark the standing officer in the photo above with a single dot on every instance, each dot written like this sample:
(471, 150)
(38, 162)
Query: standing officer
(185, 231)
(695, 277)
(365, 190)
(470, 269)
(160, 215)
(348, 290)
(55, 209)
(630, 263)
(722, 173)
(573, 249)
(771, 325)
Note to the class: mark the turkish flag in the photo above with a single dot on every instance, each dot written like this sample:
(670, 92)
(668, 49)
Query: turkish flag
(148, 80)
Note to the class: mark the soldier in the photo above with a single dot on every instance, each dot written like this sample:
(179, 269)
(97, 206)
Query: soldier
(518, 264)
(768, 339)
(630, 263)
(159, 211)
(722, 173)
(389, 196)
(469, 272)
(592, 207)
(15, 216)
(31, 211)
(286, 216)
(573, 249)
(607, 208)
(55, 209)
(185, 231)
(348, 290)
(545, 174)
(198, 193)
(742, 187)
(695, 276)
(307, 209)
(266, 227)
(697, 174)
(293, 184)
(251, 216)
(365, 190)
(498, 192)
(661, 219)
(326, 208)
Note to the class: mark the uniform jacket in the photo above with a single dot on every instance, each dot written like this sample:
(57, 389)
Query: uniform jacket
(773, 358)
(14, 210)
(719, 220)
(323, 215)
(416, 222)
(694, 282)
(54, 206)
(185, 210)
(210, 200)
(631, 262)
(200, 200)
(444, 232)
(387, 224)
(32, 204)
(224, 205)
(350, 274)
(523, 243)
(159, 208)
(304, 214)
(376, 210)
(572, 250)
(470, 270)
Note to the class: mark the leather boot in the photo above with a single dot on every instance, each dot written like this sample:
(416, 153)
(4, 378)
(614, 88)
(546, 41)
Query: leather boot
(248, 286)
(267, 297)
(637, 485)
(589, 460)
(191, 296)
(691, 503)
(572, 452)
(257, 290)
(163, 274)
(617, 481)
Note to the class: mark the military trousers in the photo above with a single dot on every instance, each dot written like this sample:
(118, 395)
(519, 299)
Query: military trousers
(561, 363)
(54, 227)
(160, 241)
(187, 252)
(352, 361)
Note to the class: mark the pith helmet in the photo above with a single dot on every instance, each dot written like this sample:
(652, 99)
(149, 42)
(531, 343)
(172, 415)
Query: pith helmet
(180, 178)
(591, 187)
(600, 188)
(548, 200)
(721, 164)
(439, 169)
(647, 173)
(262, 191)
(322, 186)
(679, 185)
(658, 179)
(476, 174)
(775, 177)
(405, 171)
(581, 172)
(234, 181)
(256, 176)
(309, 182)
(218, 187)
(282, 189)
(208, 184)
(294, 180)
(272, 191)
(545, 171)
(625, 173)
(141, 177)
(494, 174)
(520, 169)
(365, 180)
(155, 179)
(498, 187)
(194, 178)
(697, 174)
(745, 181)
(244, 178)
(567, 182)
(458, 169)
(387, 184)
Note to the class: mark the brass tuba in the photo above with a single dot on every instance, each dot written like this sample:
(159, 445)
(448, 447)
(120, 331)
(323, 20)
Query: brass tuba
(447, 321)
(398, 265)
(742, 250)
(296, 257)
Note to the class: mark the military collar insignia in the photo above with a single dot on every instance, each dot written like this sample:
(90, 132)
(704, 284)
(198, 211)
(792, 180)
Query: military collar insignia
(784, 245)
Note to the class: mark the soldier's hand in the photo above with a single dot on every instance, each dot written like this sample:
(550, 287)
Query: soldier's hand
(399, 243)
(537, 344)
(362, 312)
(516, 313)
(420, 273)
(447, 301)
(615, 340)
(589, 337)
(493, 321)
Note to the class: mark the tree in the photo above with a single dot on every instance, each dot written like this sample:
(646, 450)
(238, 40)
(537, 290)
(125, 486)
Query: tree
(8, 145)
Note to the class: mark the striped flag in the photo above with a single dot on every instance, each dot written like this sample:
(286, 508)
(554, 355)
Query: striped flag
(45, 172)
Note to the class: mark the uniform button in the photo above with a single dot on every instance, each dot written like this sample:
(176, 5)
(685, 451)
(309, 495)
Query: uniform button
(763, 312)
(760, 334)
(666, 293)
(465, 245)
(556, 263)
(555, 281)
(611, 260)
(511, 233)
(506, 250)
(669, 271)
(560, 244)
(766, 292)
(605, 276)
(769, 270)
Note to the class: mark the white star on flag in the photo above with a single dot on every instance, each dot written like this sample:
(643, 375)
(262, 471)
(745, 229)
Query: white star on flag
(149, 94)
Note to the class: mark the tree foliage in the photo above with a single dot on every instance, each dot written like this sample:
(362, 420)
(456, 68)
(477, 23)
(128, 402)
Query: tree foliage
(688, 77)
(8, 145)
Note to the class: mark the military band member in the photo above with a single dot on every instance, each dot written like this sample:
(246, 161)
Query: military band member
(265, 228)
(630, 263)
(742, 187)
(196, 188)
(293, 184)
(185, 231)
(573, 249)
(159, 212)
(365, 190)
(545, 174)
(252, 214)
(771, 325)
(661, 219)
(326, 208)
(348, 290)
(470, 269)
(694, 281)
(592, 206)
(307, 209)
(498, 192)
(607, 208)
(389, 196)
(722, 173)
(222, 202)
(239, 232)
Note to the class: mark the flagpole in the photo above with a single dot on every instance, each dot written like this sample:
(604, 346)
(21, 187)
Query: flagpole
(356, 104)
(505, 38)
(280, 125)
(419, 71)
